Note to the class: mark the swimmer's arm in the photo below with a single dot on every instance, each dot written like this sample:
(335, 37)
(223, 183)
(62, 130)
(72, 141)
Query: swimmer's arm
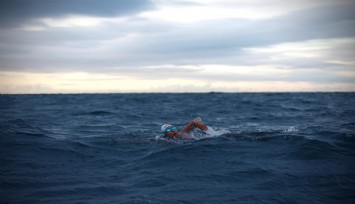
(188, 127)
(195, 123)
(200, 124)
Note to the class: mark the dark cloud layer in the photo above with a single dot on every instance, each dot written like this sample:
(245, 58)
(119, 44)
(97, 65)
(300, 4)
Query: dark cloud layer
(15, 12)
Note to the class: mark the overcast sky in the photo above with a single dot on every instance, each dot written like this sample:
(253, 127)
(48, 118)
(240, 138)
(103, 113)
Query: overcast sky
(76, 46)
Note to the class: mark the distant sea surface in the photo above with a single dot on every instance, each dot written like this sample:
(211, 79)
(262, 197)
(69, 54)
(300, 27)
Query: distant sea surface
(108, 148)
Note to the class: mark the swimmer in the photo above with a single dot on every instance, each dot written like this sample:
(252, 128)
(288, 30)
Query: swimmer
(170, 131)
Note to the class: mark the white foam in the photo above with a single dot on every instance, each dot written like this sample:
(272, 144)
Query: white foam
(211, 132)
(290, 129)
(199, 134)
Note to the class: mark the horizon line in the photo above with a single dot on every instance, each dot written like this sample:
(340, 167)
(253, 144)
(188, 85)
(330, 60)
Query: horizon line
(209, 92)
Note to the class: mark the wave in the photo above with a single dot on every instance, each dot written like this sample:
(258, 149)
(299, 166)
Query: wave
(21, 127)
(252, 172)
(90, 192)
(95, 113)
(197, 135)
(213, 132)
(308, 149)
(302, 146)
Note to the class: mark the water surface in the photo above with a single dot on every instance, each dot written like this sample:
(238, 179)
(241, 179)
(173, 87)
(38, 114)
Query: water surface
(103, 148)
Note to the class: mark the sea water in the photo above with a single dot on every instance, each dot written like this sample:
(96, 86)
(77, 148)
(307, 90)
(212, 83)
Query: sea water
(108, 148)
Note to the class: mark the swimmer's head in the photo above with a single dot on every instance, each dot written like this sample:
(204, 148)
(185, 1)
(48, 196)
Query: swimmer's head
(170, 131)
(164, 127)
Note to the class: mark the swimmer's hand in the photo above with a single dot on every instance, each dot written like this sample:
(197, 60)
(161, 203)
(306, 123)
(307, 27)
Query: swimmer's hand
(198, 123)
(197, 119)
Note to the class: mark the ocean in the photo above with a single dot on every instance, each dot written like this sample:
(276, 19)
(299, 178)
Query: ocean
(108, 148)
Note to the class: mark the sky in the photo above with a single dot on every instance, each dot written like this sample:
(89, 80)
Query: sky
(119, 46)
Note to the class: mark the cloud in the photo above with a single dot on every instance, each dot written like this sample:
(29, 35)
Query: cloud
(231, 34)
(237, 42)
(144, 42)
(16, 12)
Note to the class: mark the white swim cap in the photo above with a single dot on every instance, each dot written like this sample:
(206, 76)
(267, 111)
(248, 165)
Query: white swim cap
(163, 127)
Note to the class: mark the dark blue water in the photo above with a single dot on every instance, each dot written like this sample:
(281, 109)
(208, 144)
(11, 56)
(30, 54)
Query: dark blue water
(270, 148)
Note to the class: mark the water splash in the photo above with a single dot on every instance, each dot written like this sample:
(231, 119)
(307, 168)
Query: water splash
(290, 129)
(211, 132)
